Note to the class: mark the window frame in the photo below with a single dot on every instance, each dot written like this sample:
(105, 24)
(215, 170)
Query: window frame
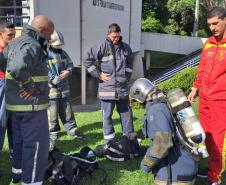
(14, 16)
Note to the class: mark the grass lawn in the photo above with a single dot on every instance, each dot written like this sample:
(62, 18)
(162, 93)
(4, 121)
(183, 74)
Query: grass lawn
(119, 173)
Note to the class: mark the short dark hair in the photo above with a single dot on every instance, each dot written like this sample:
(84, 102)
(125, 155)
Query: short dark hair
(217, 11)
(5, 24)
(114, 28)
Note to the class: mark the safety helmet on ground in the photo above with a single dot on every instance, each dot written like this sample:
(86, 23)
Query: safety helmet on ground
(57, 40)
(140, 89)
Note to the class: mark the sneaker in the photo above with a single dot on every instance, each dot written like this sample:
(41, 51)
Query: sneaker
(76, 134)
(203, 173)
(212, 183)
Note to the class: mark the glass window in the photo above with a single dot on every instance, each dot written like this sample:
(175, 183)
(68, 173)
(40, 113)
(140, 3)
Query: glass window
(16, 11)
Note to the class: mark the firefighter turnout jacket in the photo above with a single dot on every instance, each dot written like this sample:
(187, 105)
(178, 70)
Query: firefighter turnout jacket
(120, 69)
(58, 61)
(26, 68)
(164, 158)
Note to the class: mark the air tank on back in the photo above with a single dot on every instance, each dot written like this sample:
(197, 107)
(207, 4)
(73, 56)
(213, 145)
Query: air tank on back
(186, 117)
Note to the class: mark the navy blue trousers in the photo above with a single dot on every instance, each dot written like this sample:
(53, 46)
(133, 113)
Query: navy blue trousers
(126, 117)
(31, 146)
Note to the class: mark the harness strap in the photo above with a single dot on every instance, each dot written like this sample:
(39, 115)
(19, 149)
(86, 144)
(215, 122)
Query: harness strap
(184, 105)
(186, 177)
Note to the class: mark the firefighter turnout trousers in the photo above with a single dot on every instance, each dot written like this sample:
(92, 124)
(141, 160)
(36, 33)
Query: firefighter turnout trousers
(31, 146)
(62, 107)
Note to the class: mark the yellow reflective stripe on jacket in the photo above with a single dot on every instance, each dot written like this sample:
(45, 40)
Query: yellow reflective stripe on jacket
(35, 78)
(68, 62)
(158, 182)
(27, 107)
(149, 163)
(55, 80)
(29, 79)
(65, 92)
(53, 61)
(207, 46)
(9, 77)
(40, 78)
(53, 93)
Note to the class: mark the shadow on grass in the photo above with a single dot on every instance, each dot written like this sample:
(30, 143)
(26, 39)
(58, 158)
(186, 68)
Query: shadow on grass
(5, 167)
(93, 135)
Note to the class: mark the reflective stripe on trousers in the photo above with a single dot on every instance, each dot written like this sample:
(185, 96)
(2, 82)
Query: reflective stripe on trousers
(126, 117)
(31, 145)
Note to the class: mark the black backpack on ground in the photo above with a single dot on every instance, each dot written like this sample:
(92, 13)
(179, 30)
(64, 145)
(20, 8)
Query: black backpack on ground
(121, 149)
(70, 169)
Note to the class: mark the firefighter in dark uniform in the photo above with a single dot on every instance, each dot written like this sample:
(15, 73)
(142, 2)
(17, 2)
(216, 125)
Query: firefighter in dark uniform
(165, 158)
(26, 96)
(60, 66)
(116, 65)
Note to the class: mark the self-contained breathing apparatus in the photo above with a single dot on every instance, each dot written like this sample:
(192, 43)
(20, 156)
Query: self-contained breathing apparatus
(187, 127)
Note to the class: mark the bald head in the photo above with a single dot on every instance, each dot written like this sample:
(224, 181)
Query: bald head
(44, 25)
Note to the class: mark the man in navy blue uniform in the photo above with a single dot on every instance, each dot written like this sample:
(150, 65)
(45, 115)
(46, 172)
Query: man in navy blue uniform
(26, 96)
(165, 158)
(116, 66)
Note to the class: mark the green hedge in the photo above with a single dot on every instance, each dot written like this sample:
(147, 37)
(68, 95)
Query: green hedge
(183, 80)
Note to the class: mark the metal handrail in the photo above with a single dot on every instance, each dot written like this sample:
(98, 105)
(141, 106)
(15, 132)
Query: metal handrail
(167, 73)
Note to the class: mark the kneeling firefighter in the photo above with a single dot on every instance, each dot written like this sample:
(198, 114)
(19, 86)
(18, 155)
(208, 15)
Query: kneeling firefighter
(167, 158)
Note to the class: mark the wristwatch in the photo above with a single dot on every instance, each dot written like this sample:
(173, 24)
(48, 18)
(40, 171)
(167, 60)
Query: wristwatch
(193, 88)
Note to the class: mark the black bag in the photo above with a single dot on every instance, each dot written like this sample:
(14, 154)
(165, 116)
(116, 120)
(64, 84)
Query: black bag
(70, 169)
(123, 149)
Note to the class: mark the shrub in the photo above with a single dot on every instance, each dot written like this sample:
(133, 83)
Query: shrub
(183, 80)
(134, 105)
(137, 105)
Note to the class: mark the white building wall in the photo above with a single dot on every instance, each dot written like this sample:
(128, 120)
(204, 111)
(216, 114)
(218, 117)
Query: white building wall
(84, 23)
(135, 25)
(97, 17)
(170, 43)
(66, 18)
